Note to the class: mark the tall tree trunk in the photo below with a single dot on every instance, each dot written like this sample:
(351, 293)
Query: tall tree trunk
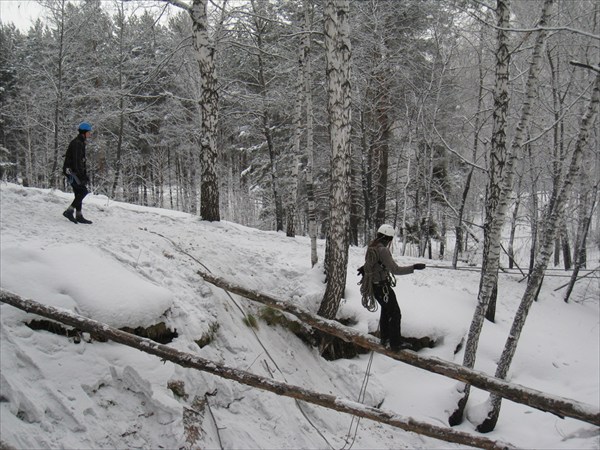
(587, 220)
(55, 174)
(310, 188)
(291, 205)
(119, 155)
(381, 147)
(28, 153)
(267, 128)
(494, 215)
(366, 171)
(535, 280)
(501, 176)
(558, 153)
(405, 208)
(338, 53)
(534, 214)
(209, 107)
(513, 225)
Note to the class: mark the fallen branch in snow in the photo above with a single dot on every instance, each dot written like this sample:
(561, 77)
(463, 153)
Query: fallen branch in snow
(578, 278)
(196, 362)
(559, 406)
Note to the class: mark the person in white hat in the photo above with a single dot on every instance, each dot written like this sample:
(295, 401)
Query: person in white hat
(377, 283)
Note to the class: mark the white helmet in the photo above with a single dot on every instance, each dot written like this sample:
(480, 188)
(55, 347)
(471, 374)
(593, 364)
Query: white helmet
(387, 230)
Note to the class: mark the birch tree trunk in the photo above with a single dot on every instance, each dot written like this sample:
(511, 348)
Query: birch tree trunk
(501, 170)
(291, 201)
(119, 152)
(310, 189)
(338, 48)
(209, 107)
(587, 220)
(546, 248)
(491, 245)
(533, 214)
(513, 225)
(55, 174)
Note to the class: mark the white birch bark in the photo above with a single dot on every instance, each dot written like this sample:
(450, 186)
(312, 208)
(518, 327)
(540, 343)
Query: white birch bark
(209, 107)
(291, 206)
(310, 190)
(501, 173)
(543, 257)
(338, 48)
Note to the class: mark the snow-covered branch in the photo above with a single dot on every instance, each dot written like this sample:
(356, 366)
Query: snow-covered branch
(193, 361)
(562, 407)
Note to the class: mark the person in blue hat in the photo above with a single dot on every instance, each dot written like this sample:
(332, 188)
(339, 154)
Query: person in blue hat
(74, 168)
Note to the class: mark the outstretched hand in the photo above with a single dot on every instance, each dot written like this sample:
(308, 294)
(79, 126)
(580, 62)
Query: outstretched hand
(361, 271)
(419, 266)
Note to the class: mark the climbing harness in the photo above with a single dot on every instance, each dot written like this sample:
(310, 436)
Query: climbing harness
(366, 283)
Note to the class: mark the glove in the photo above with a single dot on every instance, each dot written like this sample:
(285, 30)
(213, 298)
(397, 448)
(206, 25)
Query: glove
(361, 271)
(418, 266)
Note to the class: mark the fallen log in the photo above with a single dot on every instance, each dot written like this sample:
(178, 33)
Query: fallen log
(190, 360)
(560, 406)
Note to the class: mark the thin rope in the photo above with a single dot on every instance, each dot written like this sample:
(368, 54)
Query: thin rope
(361, 398)
(298, 404)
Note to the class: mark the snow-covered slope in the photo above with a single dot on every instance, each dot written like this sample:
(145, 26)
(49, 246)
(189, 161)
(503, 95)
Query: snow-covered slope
(125, 270)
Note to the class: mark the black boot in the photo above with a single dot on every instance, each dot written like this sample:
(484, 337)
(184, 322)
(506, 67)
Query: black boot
(69, 215)
(82, 219)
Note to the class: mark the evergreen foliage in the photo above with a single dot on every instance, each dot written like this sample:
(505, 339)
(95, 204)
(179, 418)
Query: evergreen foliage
(422, 83)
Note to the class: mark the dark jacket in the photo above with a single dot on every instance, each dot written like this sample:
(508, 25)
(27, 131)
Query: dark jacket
(379, 263)
(75, 159)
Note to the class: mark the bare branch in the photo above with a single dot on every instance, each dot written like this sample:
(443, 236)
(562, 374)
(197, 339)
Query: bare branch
(585, 66)
(179, 4)
(458, 155)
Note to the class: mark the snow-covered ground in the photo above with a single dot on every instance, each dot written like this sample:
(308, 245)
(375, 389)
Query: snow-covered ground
(55, 393)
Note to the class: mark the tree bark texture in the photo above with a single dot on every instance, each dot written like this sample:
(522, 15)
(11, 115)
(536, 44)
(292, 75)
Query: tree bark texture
(209, 107)
(587, 220)
(493, 222)
(189, 360)
(55, 173)
(546, 248)
(267, 126)
(338, 47)
(292, 200)
(502, 168)
(310, 189)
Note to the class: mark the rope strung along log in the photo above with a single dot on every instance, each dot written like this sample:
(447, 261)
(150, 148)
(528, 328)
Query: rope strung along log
(559, 406)
(196, 362)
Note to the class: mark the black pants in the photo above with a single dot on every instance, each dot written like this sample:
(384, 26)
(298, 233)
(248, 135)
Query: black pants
(80, 192)
(389, 320)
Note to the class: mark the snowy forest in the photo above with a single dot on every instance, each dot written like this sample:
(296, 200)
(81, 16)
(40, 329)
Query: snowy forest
(469, 126)
(443, 98)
